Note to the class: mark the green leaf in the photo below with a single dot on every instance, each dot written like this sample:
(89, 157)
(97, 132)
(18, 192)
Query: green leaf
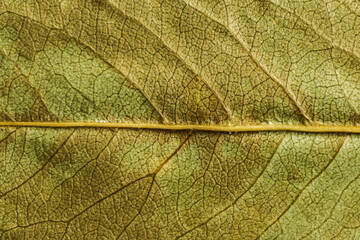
(179, 119)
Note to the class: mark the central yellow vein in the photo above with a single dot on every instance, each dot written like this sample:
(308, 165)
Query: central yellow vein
(195, 127)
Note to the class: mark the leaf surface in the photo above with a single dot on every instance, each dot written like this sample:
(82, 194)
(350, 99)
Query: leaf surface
(156, 66)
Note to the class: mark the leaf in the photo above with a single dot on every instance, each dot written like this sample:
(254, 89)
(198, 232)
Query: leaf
(179, 119)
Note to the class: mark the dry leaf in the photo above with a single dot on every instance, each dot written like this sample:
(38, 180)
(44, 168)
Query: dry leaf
(202, 64)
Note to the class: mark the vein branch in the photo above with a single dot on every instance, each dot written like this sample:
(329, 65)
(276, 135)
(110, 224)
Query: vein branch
(182, 60)
(243, 45)
(323, 36)
(240, 196)
(302, 190)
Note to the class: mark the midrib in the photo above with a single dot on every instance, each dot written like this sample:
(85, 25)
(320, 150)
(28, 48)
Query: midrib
(181, 127)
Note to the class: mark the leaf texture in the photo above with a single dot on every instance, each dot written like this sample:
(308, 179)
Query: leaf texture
(178, 62)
